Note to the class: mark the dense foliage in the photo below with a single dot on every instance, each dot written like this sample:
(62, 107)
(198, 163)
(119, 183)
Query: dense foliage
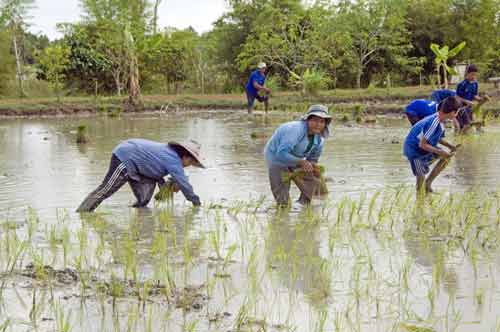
(309, 45)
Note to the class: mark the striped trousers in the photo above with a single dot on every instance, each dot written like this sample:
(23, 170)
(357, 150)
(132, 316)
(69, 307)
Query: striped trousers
(115, 178)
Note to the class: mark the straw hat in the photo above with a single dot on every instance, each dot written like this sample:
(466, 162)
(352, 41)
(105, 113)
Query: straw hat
(193, 148)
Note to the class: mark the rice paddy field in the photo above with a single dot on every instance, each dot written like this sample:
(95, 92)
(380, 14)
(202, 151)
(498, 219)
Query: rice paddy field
(369, 257)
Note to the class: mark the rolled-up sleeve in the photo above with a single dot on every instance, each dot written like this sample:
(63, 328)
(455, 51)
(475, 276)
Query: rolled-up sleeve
(178, 175)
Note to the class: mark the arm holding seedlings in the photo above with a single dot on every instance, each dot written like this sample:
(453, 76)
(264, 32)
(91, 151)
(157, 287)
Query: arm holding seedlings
(424, 145)
(450, 146)
(260, 87)
(181, 180)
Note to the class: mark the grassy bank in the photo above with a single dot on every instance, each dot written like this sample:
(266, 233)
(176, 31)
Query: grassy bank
(371, 100)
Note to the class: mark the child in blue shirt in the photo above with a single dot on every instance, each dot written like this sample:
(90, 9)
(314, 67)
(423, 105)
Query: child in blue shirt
(255, 84)
(420, 146)
(419, 109)
(297, 144)
(467, 91)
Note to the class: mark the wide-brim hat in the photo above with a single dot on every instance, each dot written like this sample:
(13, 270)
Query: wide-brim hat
(193, 148)
(319, 111)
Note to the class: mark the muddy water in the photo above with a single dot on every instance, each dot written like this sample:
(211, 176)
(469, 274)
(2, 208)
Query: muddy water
(42, 167)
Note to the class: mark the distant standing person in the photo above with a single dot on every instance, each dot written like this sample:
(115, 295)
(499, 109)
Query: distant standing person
(143, 164)
(467, 90)
(255, 88)
(420, 146)
(419, 109)
(294, 145)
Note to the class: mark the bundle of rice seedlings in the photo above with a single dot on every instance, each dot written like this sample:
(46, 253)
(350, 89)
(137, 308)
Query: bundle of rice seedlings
(166, 192)
(81, 134)
(299, 174)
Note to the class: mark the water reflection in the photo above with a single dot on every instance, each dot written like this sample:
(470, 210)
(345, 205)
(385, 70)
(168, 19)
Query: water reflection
(292, 248)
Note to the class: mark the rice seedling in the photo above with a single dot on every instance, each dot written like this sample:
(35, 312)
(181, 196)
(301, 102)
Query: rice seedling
(81, 134)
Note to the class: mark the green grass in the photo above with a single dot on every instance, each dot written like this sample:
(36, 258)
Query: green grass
(375, 100)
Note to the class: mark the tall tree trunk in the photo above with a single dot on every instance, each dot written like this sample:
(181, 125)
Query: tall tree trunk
(134, 88)
(438, 76)
(359, 73)
(155, 15)
(118, 82)
(19, 69)
(202, 82)
(445, 73)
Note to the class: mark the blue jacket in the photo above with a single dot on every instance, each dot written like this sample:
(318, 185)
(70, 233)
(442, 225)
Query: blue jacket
(288, 145)
(430, 128)
(421, 108)
(257, 77)
(467, 89)
(440, 95)
(154, 160)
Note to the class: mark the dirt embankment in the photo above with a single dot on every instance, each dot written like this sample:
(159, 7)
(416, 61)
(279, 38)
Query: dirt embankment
(341, 101)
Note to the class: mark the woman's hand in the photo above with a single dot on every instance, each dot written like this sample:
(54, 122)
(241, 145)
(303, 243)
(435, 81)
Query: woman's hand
(307, 166)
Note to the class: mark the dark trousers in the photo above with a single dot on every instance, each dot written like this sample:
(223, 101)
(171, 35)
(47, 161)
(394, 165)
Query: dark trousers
(308, 186)
(115, 178)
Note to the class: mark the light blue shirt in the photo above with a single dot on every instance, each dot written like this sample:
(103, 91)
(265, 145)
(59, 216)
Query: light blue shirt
(154, 160)
(289, 143)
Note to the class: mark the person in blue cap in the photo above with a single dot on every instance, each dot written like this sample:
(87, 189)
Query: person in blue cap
(419, 109)
(255, 88)
(297, 144)
(421, 144)
(143, 164)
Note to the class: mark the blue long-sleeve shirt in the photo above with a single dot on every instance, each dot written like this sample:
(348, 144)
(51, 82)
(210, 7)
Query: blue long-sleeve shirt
(467, 89)
(289, 144)
(154, 160)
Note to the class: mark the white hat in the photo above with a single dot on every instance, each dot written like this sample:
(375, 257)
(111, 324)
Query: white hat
(261, 65)
(193, 148)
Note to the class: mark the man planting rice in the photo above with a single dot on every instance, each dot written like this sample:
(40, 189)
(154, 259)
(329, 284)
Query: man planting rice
(143, 164)
(294, 145)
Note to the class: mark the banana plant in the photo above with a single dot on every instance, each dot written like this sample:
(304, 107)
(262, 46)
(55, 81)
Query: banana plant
(442, 55)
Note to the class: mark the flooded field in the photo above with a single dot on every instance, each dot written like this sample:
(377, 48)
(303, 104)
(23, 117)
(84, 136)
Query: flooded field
(368, 258)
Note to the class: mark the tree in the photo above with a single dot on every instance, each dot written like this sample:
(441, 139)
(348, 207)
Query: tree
(442, 55)
(155, 15)
(13, 13)
(122, 26)
(89, 68)
(374, 26)
(54, 60)
(288, 42)
(134, 87)
(7, 62)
